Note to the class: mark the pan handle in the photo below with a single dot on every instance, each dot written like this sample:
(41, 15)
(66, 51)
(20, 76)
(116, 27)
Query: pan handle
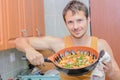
(101, 54)
(47, 60)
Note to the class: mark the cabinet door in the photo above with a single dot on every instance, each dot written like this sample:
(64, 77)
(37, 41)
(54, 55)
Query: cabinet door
(27, 15)
(38, 17)
(12, 21)
(20, 18)
(2, 44)
(32, 19)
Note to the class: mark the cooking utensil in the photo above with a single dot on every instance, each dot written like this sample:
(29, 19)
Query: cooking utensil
(72, 50)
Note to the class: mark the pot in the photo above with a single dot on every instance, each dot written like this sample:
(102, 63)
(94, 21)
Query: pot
(72, 50)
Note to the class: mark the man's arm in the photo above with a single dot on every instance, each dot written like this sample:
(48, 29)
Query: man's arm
(29, 46)
(111, 68)
(39, 43)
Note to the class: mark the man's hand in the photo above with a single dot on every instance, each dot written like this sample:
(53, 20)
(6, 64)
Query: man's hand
(107, 67)
(34, 57)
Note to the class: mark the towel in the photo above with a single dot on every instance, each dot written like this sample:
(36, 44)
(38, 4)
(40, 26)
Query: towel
(98, 72)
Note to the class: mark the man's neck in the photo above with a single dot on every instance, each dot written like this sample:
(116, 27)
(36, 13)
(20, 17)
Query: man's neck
(83, 41)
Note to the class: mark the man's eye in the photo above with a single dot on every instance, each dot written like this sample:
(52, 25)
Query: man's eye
(70, 22)
(79, 20)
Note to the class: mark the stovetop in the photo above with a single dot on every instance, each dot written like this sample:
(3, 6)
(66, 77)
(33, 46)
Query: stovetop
(35, 74)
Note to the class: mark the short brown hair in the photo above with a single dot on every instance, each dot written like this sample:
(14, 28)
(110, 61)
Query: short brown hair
(75, 6)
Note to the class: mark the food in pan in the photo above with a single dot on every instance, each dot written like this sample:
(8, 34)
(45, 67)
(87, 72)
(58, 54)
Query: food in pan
(77, 60)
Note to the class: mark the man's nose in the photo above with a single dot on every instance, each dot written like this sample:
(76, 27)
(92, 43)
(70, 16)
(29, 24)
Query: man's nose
(75, 25)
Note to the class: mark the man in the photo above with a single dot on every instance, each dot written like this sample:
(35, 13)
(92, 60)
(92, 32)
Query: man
(76, 17)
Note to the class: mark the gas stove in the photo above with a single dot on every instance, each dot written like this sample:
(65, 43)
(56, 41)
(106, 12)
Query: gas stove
(39, 77)
(35, 74)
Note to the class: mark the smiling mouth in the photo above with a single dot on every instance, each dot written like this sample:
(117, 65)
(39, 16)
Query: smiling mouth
(77, 31)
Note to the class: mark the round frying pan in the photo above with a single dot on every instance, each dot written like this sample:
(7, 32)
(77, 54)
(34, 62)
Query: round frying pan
(72, 50)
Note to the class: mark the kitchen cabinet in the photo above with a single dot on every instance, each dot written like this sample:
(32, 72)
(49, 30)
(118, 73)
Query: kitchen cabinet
(12, 26)
(20, 18)
(2, 24)
(33, 12)
(38, 18)
(2, 43)
(27, 15)
(105, 17)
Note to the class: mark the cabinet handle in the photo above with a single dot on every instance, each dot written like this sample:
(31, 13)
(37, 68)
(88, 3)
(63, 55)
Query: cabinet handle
(24, 32)
(38, 32)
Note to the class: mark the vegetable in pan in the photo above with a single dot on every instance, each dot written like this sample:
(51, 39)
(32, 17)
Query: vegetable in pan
(76, 60)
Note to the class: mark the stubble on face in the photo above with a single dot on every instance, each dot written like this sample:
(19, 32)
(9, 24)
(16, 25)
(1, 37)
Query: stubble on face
(76, 24)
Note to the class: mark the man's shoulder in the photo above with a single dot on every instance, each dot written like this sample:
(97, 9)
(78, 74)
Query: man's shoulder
(102, 44)
(100, 40)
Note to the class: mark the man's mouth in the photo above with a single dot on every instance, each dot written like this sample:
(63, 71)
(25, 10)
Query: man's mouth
(77, 31)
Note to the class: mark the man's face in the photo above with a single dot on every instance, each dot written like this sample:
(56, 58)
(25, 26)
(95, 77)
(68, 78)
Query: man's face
(77, 24)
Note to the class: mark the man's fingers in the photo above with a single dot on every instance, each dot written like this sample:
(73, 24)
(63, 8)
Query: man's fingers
(36, 59)
(107, 66)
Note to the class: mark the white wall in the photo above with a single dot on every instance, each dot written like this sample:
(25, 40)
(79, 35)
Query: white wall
(54, 23)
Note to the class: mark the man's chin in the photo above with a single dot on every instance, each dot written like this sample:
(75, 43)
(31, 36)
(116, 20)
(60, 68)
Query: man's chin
(77, 36)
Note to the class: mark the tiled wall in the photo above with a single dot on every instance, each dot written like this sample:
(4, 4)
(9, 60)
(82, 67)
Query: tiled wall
(10, 66)
(54, 22)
